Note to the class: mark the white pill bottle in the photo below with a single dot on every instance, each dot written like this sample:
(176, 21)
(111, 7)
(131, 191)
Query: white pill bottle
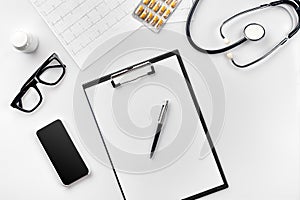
(24, 41)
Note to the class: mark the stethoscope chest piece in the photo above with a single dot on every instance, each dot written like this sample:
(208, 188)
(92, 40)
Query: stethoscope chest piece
(254, 32)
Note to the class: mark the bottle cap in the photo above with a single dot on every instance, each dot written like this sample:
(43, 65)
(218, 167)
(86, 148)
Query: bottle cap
(20, 40)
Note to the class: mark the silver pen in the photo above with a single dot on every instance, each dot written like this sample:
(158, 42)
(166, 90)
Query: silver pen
(161, 120)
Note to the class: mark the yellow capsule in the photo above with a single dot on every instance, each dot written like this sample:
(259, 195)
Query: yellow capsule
(154, 21)
(169, 2)
(139, 10)
(162, 10)
(144, 14)
(167, 13)
(160, 23)
(152, 3)
(146, 2)
(150, 17)
(157, 7)
(174, 3)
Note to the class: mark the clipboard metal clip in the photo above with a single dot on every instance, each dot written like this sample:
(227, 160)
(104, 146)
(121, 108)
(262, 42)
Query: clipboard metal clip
(133, 74)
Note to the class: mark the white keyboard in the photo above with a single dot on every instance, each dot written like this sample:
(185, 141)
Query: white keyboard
(83, 25)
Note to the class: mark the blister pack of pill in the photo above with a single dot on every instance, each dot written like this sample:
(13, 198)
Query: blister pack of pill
(155, 13)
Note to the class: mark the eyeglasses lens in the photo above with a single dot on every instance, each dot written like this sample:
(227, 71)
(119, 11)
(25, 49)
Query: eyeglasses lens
(30, 99)
(52, 73)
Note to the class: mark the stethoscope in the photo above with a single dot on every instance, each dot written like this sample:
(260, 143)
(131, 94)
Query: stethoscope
(252, 32)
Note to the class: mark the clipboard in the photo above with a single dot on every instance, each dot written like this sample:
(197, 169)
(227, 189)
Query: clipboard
(176, 172)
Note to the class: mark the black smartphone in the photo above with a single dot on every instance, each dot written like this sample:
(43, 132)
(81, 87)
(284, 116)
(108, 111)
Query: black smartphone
(62, 152)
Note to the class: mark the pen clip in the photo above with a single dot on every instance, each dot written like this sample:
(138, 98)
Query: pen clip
(115, 83)
(163, 112)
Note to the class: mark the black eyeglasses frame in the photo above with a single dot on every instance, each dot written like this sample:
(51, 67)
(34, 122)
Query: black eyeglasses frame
(35, 79)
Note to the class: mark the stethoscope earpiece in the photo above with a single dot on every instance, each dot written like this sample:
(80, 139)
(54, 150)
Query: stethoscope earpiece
(229, 55)
(226, 41)
(254, 32)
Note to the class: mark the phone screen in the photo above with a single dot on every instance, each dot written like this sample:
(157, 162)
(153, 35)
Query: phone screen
(62, 152)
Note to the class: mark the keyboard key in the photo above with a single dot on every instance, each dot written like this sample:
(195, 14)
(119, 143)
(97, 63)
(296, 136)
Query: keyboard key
(93, 33)
(76, 29)
(103, 10)
(120, 14)
(111, 20)
(53, 19)
(113, 4)
(84, 23)
(84, 40)
(68, 36)
(47, 8)
(59, 26)
(75, 47)
(94, 16)
(102, 26)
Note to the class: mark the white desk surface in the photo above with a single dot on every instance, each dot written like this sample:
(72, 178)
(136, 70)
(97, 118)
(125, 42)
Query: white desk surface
(259, 148)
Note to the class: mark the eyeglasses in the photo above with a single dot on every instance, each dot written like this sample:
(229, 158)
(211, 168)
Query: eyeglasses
(50, 73)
